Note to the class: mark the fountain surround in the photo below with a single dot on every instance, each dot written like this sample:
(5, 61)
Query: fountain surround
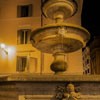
(59, 38)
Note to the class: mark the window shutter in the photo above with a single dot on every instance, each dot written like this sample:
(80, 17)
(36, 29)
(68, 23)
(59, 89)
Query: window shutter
(18, 11)
(30, 10)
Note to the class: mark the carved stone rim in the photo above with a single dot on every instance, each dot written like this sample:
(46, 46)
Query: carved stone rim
(68, 26)
(51, 77)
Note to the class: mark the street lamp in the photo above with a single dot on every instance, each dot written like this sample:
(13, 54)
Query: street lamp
(3, 47)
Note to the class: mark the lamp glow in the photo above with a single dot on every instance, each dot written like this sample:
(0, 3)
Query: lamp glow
(2, 46)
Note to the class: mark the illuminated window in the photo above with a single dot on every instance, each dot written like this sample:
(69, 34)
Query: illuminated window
(23, 36)
(86, 61)
(24, 10)
(21, 64)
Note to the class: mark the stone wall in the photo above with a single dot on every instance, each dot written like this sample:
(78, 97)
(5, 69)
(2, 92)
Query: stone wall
(16, 86)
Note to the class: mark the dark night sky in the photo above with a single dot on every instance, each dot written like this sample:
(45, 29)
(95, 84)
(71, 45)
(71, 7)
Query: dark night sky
(91, 17)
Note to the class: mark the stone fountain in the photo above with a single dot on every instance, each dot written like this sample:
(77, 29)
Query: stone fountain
(60, 37)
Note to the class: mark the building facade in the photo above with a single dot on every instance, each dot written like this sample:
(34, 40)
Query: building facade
(86, 61)
(95, 55)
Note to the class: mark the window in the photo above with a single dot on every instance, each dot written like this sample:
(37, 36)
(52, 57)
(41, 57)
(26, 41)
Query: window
(87, 61)
(88, 71)
(93, 64)
(23, 36)
(24, 10)
(21, 63)
(26, 64)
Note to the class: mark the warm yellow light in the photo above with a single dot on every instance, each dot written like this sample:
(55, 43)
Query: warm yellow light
(4, 48)
(2, 45)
